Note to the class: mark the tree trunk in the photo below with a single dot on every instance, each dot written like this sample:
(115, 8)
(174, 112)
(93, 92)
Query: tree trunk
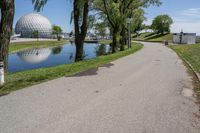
(7, 15)
(80, 31)
(79, 49)
(115, 40)
(123, 39)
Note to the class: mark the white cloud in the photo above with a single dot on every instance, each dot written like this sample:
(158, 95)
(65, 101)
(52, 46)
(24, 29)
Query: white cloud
(190, 27)
(192, 12)
(188, 20)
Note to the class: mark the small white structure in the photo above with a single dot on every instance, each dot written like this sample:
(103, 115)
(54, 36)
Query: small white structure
(184, 38)
(1, 73)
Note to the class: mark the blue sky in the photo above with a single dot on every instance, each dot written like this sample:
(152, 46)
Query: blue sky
(185, 13)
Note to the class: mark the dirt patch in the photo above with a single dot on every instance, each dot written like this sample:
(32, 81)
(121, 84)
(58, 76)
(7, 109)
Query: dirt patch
(187, 92)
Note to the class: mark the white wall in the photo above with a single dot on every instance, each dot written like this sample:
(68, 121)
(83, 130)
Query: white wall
(186, 38)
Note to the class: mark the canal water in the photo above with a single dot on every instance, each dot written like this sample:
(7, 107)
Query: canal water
(48, 57)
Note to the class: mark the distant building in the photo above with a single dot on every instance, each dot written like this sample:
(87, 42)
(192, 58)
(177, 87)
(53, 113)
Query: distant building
(184, 38)
(66, 35)
(31, 23)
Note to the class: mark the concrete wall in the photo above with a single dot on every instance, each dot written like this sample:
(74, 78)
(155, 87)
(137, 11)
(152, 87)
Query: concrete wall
(187, 38)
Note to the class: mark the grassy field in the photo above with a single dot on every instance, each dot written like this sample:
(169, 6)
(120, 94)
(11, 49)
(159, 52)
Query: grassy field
(15, 47)
(152, 37)
(105, 41)
(20, 80)
(18, 46)
(190, 53)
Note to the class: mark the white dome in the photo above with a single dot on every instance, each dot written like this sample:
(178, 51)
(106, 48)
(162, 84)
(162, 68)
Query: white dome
(33, 22)
(35, 56)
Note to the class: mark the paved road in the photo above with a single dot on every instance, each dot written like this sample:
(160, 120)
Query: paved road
(148, 92)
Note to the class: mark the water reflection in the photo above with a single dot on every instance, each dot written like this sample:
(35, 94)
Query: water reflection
(48, 57)
(35, 56)
(101, 50)
(57, 50)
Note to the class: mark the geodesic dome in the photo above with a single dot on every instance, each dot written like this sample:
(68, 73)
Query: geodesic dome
(33, 22)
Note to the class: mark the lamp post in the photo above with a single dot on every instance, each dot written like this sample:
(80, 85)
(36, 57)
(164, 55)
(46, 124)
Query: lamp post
(129, 32)
(181, 36)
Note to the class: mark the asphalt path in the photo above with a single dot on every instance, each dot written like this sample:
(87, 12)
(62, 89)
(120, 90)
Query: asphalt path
(146, 92)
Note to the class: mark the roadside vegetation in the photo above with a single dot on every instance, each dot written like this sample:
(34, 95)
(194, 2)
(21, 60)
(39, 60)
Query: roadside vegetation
(160, 30)
(19, 80)
(105, 41)
(191, 54)
(152, 37)
(18, 46)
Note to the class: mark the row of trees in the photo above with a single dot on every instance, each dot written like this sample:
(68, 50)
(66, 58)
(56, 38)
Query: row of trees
(113, 13)
(160, 25)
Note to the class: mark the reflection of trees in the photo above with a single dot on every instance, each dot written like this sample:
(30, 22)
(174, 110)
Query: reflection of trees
(57, 50)
(71, 56)
(101, 50)
(84, 54)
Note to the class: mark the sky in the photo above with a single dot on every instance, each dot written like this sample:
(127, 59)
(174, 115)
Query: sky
(185, 13)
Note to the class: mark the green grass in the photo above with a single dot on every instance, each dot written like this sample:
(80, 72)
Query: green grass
(152, 37)
(198, 40)
(105, 41)
(15, 47)
(23, 79)
(190, 53)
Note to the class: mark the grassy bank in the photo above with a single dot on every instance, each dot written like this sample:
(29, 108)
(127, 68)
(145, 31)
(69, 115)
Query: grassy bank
(14, 47)
(152, 37)
(105, 41)
(20, 80)
(190, 53)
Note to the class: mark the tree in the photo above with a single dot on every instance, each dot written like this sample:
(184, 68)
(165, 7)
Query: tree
(161, 24)
(110, 9)
(133, 9)
(137, 24)
(100, 27)
(35, 34)
(117, 12)
(71, 34)
(80, 17)
(81, 11)
(56, 31)
(7, 14)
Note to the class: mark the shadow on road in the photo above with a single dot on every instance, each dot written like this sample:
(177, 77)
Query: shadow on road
(92, 71)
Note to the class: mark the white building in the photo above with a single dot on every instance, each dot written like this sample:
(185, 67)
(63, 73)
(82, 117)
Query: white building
(184, 38)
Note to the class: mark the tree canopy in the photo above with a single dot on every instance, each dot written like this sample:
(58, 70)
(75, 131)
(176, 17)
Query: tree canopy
(161, 24)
